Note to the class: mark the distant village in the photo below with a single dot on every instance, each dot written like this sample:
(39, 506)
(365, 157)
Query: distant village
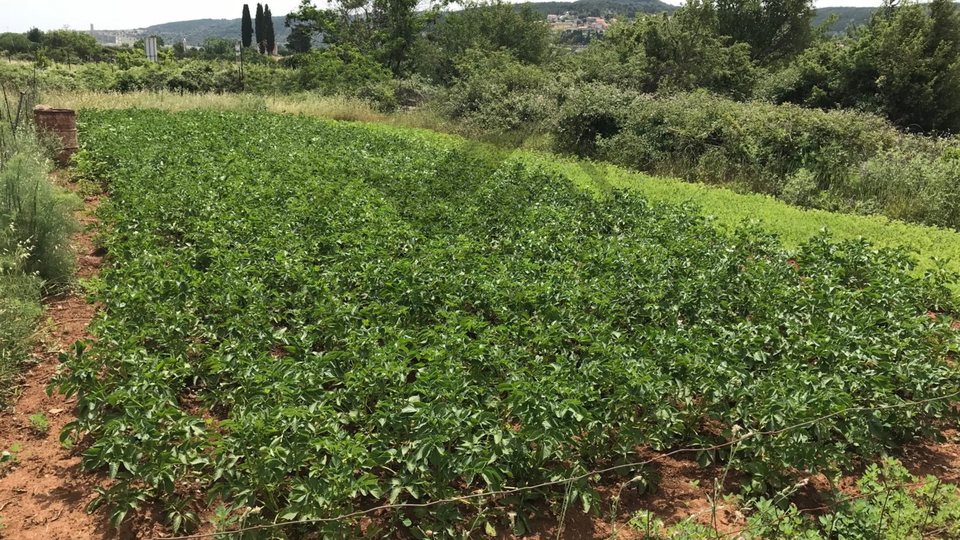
(115, 38)
(569, 21)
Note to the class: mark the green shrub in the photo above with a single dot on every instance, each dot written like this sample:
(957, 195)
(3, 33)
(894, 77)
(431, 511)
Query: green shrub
(716, 140)
(921, 185)
(40, 217)
(19, 306)
(800, 188)
(338, 70)
(684, 51)
(588, 114)
(497, 93)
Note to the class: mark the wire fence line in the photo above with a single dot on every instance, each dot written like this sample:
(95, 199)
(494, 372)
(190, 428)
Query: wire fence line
(576, 478)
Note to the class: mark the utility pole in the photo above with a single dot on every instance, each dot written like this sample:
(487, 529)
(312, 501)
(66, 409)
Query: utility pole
(239, 49)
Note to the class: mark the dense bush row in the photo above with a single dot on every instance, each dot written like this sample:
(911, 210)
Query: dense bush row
(837, 160)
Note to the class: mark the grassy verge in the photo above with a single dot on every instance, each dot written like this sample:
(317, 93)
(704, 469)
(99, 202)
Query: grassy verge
(793, 225)
(35, 227)
(335, 107)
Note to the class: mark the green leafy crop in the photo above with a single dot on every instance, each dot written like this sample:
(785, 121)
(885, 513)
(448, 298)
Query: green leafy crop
(305, 317)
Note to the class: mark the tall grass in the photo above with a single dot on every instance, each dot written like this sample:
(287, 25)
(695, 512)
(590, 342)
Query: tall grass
(349, 109)
(39, 215)
(334, 107)
(36, 222)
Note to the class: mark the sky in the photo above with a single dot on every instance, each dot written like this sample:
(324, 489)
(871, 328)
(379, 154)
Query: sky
(21, 15)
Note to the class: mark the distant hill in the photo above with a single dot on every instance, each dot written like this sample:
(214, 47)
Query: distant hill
(847, 15)
(196, 31)
(602, 8)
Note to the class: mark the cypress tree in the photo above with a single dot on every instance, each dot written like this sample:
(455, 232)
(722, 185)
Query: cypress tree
(268, 29)
(261, 36)
(246, 27)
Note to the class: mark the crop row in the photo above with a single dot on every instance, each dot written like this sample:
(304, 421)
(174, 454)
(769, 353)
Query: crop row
(304, 317)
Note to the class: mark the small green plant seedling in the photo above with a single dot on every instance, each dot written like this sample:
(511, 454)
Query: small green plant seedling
(39, 423)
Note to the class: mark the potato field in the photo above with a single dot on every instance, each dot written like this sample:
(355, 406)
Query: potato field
(304, 318)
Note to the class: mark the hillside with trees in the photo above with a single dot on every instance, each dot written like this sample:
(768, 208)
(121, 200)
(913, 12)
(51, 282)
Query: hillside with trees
(602, 8)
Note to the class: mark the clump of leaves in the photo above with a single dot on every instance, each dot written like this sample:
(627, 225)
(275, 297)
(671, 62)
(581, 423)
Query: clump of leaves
(9, 458)
(39, 423)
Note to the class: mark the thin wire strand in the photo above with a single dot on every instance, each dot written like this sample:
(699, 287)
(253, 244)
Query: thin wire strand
(511, 491)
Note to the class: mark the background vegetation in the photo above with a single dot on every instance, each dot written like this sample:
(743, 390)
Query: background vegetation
(755, 96)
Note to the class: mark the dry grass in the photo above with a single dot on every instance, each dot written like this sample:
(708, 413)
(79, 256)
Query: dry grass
(334, 107)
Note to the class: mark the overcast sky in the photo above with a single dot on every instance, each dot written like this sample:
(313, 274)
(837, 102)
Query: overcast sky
(21, 15)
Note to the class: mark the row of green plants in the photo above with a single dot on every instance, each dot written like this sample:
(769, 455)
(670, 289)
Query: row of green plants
(305, 317)
(933, 247)
(36, 222)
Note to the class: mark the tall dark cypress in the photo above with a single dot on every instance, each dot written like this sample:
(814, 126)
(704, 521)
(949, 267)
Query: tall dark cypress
(246, 27)
(268, 29)
(261, 35)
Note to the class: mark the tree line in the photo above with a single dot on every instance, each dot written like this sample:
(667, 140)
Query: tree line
(261, 27)
(904, 63)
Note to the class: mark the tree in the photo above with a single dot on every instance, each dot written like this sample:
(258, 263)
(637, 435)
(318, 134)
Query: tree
(683, 51)
(35, 35)
(70, 46)
(246, 27)
(269, 36)
(218, 48)
(300, 39)
(917, 57)
(385, 29)
(904, 64)
(14, 43)
(486, 27)
(774, 29)
(260, 30)
(306, 23)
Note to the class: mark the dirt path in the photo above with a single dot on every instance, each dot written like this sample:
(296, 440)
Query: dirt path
(43, 493)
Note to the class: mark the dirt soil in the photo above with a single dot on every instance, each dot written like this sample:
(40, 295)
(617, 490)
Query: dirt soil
(44, 492)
